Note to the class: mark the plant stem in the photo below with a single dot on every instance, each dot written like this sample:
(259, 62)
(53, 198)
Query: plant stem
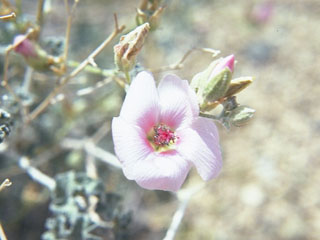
(45, 103)
(209, 116)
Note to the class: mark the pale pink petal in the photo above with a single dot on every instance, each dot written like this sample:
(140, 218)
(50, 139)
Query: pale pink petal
(200, 145)
(141, 105)
(159, 171)
(178, 102)
(229, 62)
(224, 62)
(130, 142)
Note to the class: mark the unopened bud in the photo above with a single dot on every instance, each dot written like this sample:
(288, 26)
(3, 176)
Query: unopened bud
(237, 85)
(241, 115)
(127, 49)
(34, 55)
(218, 86)
(24, 46)
(227, 62)
(213, 83)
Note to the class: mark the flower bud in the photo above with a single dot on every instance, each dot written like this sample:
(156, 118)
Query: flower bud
(34, 55)
(24, 46)
(127, 49)
(217, 87)
(212, 84)
(241, 115)
(227, 62)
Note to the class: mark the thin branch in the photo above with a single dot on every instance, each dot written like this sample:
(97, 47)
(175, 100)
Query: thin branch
(201, 114)
(90, 167)
(143, 4)
(93, 69)
(184, 197)
(68, 29)
(83, 92)
(92, 151)
(5, 183)
(18, 6)
(176, 220)
(36, 174)
(42, 157)
(66, 5)
(26, 89)
(89, 90)
(2, 234)
(8, 16)
(40, 13)
(103, 155)
(27, 79)
(101, 132)
(74, 73)
(89, 147)
(179, 64)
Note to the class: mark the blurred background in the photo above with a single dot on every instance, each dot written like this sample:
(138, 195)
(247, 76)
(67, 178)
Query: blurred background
(269, 185)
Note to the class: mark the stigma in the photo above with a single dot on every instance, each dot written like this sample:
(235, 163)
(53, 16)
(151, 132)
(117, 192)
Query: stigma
(163, 136)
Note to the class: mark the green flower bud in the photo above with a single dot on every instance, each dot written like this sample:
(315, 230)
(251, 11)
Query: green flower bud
(218, 86)
(241, 115)
(213, 83)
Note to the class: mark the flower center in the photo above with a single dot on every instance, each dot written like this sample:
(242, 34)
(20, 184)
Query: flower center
(162, 137)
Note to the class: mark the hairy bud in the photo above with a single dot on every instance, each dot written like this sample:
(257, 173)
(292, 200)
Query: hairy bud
(241, 115)
(213, 83)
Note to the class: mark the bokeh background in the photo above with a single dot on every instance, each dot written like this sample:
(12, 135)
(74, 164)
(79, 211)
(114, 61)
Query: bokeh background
(269, 185)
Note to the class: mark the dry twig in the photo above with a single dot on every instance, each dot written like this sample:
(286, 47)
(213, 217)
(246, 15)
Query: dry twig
(45, 103)
(5, 183)
(8, 16)
(36, 174)
(90, 148)
(178, 65)
(184, 197)
(2, 234)
(68, 29)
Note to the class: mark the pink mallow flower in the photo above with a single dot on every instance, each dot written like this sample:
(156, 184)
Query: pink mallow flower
(159, 135)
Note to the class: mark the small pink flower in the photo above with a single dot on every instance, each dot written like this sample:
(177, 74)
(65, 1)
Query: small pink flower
(159, 134)
(25, 47)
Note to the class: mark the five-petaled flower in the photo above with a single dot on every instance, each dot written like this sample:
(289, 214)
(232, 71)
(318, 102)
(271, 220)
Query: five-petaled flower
(159, 134)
